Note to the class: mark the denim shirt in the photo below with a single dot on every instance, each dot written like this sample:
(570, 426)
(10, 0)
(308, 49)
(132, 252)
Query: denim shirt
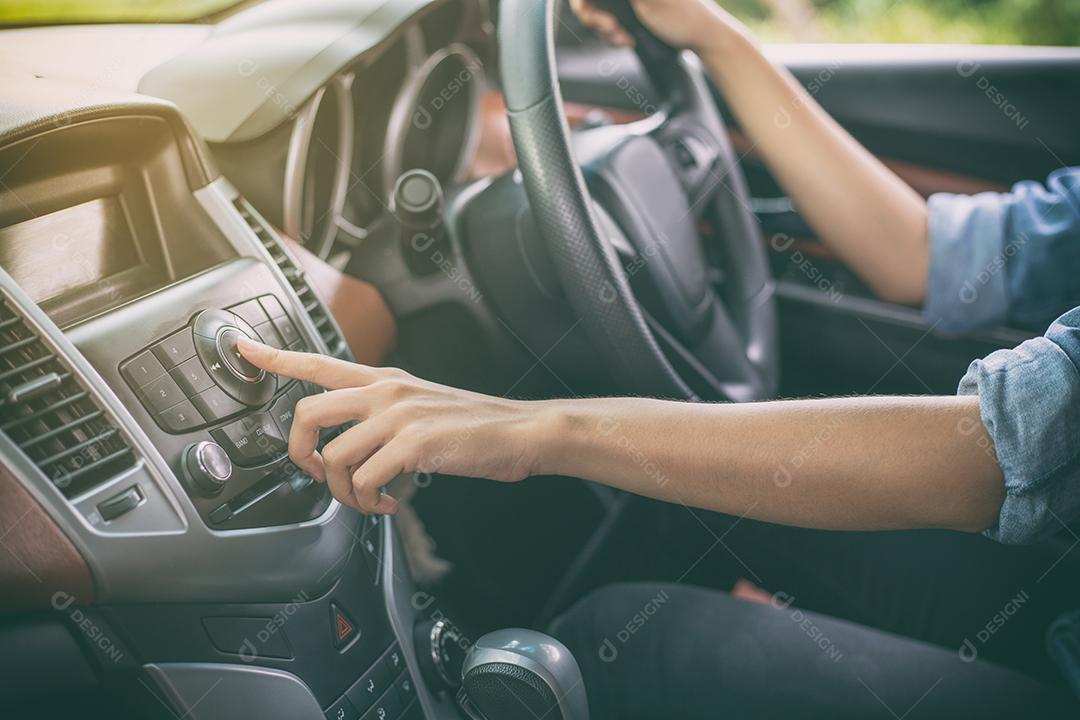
(1014, 258)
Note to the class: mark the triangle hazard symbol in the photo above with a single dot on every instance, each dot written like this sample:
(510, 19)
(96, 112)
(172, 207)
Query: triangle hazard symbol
(344, 627)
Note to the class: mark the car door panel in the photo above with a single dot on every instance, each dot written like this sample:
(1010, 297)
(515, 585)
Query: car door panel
(946, 119)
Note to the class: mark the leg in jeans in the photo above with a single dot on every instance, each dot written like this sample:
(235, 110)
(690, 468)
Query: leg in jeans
(655, 650)
(939, 586)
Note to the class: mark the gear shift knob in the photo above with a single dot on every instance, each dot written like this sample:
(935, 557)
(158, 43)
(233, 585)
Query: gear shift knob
(517, 674)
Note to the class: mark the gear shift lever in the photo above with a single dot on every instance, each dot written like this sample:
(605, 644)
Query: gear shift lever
(518, 674)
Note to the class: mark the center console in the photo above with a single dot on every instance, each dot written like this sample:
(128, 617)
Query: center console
(225, 580)
(235, 417)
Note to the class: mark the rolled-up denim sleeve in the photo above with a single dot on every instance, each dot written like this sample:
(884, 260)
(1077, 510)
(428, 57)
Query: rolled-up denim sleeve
(1029, 401)
(1004, 258)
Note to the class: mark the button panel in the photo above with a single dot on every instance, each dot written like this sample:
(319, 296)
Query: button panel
(196, 377)
(161, 394)
(192, 377)
(175, 349)
(142, 369)
(252, 440)
(384, 692)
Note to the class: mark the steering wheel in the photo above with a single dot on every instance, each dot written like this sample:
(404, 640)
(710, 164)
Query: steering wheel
(626, 245)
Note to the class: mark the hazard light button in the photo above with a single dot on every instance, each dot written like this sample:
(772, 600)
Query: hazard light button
(342, 628)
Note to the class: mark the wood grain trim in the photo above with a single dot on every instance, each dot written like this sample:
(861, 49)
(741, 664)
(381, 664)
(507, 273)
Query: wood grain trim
(37, 560)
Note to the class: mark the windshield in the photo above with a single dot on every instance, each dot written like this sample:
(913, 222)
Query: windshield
(36, 12)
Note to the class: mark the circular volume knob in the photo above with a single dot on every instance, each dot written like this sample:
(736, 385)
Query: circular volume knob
(207, 467)
(238, 365)
(216, 335)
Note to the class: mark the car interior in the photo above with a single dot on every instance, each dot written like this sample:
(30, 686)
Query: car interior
(166, 188)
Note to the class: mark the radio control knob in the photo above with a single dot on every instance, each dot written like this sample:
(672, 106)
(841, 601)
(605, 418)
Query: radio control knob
(207, 467)
(228, 351)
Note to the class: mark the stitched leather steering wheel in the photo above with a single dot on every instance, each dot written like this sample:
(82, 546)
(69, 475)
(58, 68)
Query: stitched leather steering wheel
(636, 233)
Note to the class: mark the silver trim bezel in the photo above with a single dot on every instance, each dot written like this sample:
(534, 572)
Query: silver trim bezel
(338, 91)
(405, 107)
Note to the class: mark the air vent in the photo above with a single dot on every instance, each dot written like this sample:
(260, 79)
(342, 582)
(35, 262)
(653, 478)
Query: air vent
(51, 416)
(274, 245)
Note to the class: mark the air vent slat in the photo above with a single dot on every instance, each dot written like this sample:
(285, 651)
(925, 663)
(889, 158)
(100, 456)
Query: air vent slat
(75, 449)
(19, 370)
(294, 274)
(65, 428)
(64, 481)
(51, 415)
(17, 345)
(44, 412)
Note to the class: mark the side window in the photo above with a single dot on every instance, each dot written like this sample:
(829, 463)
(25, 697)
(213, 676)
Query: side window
(981, 22)
(991, 22)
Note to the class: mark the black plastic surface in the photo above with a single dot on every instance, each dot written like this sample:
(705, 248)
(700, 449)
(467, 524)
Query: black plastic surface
(137, 160)
(265, 488)
(296, 636)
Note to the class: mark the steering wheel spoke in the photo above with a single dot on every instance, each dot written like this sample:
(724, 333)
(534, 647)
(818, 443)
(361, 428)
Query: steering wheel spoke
(655, 181)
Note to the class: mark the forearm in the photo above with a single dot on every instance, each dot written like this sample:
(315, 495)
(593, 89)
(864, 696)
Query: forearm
(867, 215)
(867, 463)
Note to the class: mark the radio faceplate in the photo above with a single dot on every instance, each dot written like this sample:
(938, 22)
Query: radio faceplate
(172, 358)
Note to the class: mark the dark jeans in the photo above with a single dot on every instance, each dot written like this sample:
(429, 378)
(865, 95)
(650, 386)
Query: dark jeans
(957, 590)
(854, 615)
(656, 650)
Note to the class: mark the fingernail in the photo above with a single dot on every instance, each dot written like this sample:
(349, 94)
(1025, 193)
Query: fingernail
(247, 345)
(386, 505)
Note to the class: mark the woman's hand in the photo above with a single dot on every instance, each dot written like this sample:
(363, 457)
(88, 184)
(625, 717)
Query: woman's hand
(406, 425)
(698, 25)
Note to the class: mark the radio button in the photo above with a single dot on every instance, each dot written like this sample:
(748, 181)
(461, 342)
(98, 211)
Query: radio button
(142, 369)
(214, 404)
(240, 366)
(254, 439)
(180, 417)
(272, 306)
(192, 377)
(269, 335)
(371, 687)
(287, 330)
(175, 349)
(284, 410)
(161, 394)
(216, 333)
(251, 311)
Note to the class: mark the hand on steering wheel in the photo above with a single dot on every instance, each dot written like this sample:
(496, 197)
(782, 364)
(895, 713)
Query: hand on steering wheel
(690, 24)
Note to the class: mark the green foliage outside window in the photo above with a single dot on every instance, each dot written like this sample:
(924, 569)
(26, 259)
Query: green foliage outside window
(999, 22)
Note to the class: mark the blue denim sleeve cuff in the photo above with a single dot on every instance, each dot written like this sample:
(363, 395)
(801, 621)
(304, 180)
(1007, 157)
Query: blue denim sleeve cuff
(1029, 401)
(966, 288)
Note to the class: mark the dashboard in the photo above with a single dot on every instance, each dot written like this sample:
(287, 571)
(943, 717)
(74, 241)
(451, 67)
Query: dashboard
(323, 169)
(143, 462)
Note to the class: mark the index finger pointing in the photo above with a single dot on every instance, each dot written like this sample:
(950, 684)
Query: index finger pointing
(330, 373)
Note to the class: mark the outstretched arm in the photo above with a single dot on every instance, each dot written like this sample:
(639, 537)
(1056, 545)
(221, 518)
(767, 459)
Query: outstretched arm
(873, 463)
(866, 214)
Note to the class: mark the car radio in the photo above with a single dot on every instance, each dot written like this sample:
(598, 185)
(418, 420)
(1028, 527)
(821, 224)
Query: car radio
(235, 418)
